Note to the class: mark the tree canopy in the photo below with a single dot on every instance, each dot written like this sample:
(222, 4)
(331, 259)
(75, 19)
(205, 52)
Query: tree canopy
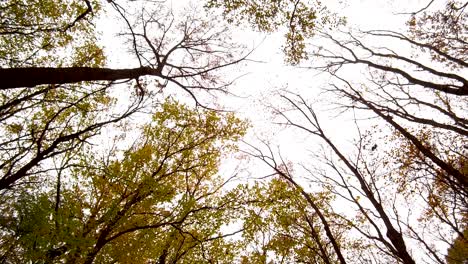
(145, 164)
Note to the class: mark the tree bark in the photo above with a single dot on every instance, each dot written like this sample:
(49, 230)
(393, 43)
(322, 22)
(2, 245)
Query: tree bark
(33, 76)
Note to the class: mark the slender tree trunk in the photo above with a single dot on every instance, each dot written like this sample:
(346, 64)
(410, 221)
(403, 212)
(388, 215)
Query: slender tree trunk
(322, 218)
(396, 238)
(30, 77)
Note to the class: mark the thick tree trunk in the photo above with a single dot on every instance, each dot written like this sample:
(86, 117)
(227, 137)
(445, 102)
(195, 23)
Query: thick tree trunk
(30, 77)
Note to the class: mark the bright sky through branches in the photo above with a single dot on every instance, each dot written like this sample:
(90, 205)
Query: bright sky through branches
(233, 131)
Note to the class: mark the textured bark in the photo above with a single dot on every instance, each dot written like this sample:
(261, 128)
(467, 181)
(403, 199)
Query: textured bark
(33, 76)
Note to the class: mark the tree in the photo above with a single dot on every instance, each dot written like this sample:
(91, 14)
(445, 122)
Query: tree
(356, 177)
(414, 85)
(423, 102)
(59, 204)
(281, 227)
(290, 208)
(40, 116)
(201, 45)
(160, 199)
(39, 123)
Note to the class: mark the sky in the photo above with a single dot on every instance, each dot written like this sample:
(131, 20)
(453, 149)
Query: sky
(266, 72)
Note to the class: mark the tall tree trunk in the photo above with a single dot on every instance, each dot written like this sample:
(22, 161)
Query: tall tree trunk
(30, 77)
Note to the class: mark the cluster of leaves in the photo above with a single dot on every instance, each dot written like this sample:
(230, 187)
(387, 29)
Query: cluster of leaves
(282, 227)
(445, 30)
(160, 198)
(38, 32)
(301, 19)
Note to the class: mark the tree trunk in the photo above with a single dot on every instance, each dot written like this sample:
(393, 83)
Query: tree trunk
(30, 77)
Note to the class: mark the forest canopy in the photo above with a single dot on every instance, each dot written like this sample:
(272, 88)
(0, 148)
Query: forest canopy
(150, 163)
